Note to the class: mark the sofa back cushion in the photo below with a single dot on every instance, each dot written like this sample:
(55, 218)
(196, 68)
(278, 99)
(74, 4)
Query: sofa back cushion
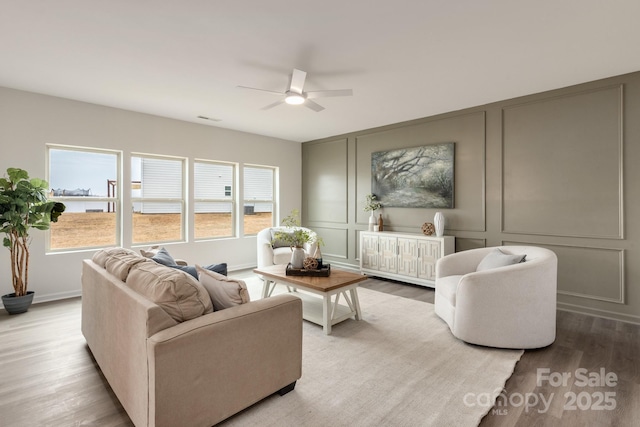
(101, 256)
(176, 292)
(120, 264)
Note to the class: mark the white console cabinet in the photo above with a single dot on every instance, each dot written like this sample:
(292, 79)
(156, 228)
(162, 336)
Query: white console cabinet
(403, 256)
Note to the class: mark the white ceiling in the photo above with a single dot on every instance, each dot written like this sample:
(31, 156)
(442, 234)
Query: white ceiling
(404, 59)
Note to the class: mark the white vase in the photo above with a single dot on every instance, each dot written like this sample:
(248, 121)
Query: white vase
(438, 223)
(297, 257)
(372, 220)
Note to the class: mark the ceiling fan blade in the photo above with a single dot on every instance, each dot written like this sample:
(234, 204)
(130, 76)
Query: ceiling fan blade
(297, 81)
(261, 90)
(327, 93)
(275, 104)
(315, 107)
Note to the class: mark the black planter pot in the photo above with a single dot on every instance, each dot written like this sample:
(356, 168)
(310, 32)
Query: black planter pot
(16, 305)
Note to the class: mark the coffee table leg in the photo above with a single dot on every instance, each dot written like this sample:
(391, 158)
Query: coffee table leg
(326, 314)
(267, 287)
(356, 302)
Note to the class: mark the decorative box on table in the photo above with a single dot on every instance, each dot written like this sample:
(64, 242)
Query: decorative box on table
(323, 271)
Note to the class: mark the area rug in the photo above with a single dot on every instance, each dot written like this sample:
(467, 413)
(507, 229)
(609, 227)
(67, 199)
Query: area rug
(399, 366)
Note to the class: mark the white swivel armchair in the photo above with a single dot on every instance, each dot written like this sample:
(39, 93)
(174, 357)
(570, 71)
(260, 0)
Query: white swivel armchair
(513, 306)
(270, 252)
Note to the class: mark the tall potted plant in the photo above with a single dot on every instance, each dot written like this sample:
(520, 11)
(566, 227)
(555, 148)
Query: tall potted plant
(23, 205)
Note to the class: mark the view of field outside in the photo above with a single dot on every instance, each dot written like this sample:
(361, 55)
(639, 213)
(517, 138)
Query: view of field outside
(88, 229)
(86, 181)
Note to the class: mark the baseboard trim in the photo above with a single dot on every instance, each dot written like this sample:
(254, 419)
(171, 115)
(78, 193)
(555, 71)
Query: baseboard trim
(605, 314)
(37, 299)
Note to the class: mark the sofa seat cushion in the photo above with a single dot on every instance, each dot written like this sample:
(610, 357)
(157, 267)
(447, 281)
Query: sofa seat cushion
(282, 255)
(224, 291)
(447, 286)
(177, 293)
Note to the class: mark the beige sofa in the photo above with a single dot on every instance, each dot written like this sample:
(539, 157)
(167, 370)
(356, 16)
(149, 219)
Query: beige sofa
(195, 372)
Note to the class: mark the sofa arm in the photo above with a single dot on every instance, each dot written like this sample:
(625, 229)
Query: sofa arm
(209, 368)
(265, 254)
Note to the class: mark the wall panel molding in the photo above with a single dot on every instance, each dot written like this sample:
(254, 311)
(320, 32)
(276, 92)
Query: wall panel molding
(551, 188)
(325, 173)
(335, 241)
(468, 131)
(588, 267)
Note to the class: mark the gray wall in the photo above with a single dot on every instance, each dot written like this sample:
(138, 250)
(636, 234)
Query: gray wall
(555, 169)
(29, 121)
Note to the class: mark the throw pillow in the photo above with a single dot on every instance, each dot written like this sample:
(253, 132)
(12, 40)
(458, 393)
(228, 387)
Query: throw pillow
(178, 294)
(218, 268)
(224, 292)
(497, 258)
(163, 257)
(279, 243)
(151, 252)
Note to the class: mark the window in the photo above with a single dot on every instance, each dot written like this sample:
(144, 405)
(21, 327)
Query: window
(157, 194)
(86, 181)
(259, 201)
(214, 203)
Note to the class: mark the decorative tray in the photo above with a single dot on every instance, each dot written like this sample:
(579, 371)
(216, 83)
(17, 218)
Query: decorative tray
(324, 271)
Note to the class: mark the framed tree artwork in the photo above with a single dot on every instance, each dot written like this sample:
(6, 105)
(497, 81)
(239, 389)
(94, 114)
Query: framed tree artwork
(419, 177)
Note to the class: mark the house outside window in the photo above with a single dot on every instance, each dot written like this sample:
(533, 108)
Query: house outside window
(214, 202)
(86, 181)
(259, 197)
(157, 194)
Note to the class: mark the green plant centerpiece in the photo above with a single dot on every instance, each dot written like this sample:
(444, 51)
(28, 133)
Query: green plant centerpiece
(372, 204)
(295, 237)
(23, 206)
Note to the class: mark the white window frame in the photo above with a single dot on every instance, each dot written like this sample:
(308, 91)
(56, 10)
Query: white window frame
(273, 200)
(116, 200)
(182, 201)
(232, 201)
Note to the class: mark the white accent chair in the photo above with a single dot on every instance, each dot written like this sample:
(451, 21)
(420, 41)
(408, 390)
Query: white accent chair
(507, 307)
(270, 255)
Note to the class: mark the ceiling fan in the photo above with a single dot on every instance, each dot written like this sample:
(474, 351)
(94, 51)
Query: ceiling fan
(295, 95)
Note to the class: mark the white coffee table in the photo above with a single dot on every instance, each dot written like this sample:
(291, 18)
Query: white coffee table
(325, 311)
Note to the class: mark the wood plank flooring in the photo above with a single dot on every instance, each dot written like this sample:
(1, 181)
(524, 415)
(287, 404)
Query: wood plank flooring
(49, 378)
(584, 343)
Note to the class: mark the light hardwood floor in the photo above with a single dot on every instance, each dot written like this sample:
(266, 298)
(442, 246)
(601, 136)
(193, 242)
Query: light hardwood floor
(48, 377)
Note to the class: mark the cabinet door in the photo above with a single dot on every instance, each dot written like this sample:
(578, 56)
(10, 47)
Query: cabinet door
(369, 251)
(407, 257)
(430, 252)
(388, 254)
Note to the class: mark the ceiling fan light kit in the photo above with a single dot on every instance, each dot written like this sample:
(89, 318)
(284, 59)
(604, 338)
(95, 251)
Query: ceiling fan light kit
(295, 95)
(294, 98)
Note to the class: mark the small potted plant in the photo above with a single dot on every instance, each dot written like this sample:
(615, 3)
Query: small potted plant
(23, 205)
(295, 236)
(372, 205)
